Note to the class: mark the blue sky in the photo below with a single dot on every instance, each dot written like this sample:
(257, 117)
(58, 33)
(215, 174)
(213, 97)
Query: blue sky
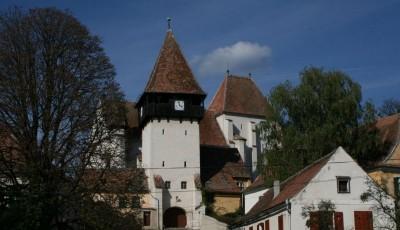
(274, 40)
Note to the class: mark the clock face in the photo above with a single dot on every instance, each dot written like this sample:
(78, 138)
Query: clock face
(179, 105)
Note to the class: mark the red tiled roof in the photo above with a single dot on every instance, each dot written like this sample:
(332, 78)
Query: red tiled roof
(389, 128)
(389, 132)
(239, 95)
(171, 73)
(220, 167)
(224, 181)
(210, 132)
(114, 180)
(257, 183)
(289, 188)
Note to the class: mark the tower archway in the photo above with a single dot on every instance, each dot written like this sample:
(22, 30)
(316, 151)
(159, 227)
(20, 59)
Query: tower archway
(174, 218)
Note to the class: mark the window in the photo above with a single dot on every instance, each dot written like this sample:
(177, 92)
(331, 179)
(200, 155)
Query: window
(185, 132)
(146, 218)
(240, 184)
(163, 163)
(135, 202)
(184, 164)
(122, 203)
(163, 132)
(260, 226)
(319, 219)
(167, 184)
(183, 185)
(396, 181)
(343, 184)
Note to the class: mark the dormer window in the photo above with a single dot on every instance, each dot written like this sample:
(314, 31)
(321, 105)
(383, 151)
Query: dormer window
(240, 184)
(343, 184)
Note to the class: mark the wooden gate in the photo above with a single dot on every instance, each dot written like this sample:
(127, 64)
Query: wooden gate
(174, 218)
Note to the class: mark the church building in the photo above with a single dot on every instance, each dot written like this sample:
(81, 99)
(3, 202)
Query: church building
(187, 150)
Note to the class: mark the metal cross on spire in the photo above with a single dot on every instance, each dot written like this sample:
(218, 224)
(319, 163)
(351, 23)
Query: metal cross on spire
(169, 23)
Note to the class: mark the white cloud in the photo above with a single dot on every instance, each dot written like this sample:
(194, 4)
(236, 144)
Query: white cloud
(241, 56)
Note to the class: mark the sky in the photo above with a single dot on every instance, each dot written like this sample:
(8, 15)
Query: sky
(272, 40)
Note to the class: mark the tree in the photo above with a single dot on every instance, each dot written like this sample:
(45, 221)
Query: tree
(389, 213)
(59, 108)
(309, 120)
(389, 107)
(320, 216)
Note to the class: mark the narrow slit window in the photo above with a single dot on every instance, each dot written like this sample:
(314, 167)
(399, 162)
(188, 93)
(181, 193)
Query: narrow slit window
(183, 185)
(163, 132)
(184, 164)
(163, 163)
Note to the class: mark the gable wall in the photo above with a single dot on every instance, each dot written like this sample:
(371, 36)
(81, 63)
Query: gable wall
(324, 187)
(251, 198)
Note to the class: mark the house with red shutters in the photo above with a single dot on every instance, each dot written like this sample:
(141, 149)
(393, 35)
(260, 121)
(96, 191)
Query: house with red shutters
(335, 178)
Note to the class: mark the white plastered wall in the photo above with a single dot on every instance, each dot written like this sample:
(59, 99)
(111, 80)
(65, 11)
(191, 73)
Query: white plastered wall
(251, 198)
(166, 146)
(324, 187)
(243, 126)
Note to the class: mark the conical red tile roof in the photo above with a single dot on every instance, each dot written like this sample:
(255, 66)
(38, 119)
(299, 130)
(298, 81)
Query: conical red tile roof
(171, 73)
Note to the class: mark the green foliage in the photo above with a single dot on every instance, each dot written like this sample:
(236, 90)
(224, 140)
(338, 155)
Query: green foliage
(310, 120)
(389, 107)
(323, 212)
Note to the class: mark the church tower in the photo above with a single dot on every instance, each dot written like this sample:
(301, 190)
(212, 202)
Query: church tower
(170, 109)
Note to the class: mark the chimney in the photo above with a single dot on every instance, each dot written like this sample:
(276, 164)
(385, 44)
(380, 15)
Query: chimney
(276, 188)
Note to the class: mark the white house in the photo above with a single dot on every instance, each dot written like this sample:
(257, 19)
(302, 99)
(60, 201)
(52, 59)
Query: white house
(336, 178)
(254, 193)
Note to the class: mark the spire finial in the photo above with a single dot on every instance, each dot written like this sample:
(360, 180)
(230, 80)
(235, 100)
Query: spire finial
(227, 72)
(169, 23)
(249, 75)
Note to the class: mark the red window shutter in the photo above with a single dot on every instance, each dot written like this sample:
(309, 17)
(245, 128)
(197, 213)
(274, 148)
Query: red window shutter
(339, 221)
(267, 225)
(260, 226)
(363, 220)
(370, 220)
(280, 222)
(314, 220)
